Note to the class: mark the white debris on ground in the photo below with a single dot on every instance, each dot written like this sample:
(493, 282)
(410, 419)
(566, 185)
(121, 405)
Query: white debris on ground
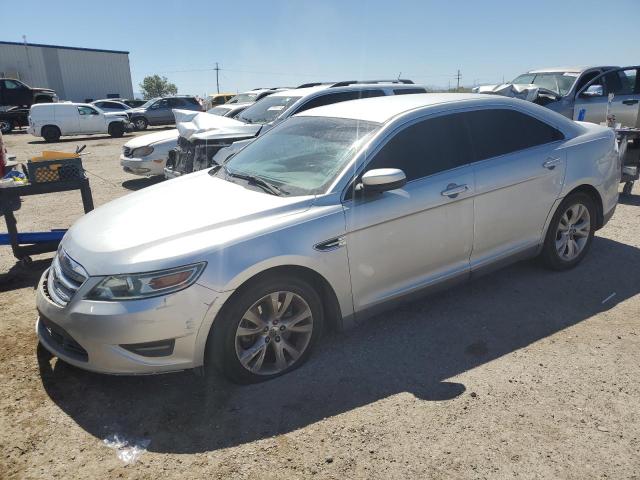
(127, 451)
(608, 298)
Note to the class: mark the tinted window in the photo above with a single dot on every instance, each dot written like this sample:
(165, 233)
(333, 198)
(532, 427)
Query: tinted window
(176, 102)
(586, 78)
(164, 103)
(621, 82)
(331, 98)
(407, 91)
(497, 132)
(428, 147)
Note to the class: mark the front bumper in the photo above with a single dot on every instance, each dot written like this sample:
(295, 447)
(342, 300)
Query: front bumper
(145, 167)
(91, 334)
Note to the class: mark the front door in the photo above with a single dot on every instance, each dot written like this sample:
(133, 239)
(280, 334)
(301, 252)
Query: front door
(519, 173)
(159, 113)
(408, 239)
(90, 120)
(593, 102)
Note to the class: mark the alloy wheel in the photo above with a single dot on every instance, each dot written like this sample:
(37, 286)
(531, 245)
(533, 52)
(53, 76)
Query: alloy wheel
(573, 232)
(274, 333)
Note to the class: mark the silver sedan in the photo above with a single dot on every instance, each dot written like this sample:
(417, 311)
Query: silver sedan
(330, 217)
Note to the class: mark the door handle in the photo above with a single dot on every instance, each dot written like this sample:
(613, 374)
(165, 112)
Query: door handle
(551, 163)
(630, 102)
(453, 190)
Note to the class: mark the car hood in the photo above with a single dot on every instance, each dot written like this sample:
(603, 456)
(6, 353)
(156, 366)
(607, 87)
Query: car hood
(522, 91)
(174, 223)
(43, 90)
(193, 123)
(151, 138)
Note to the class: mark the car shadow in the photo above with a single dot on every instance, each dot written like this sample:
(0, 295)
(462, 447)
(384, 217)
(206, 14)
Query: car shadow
(20, 276)
(77, 139)
(142, 182)
(417, 348)
(629, 199)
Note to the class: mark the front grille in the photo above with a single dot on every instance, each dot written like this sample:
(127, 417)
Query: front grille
(64, 342)
(127, 151)
(65, 277)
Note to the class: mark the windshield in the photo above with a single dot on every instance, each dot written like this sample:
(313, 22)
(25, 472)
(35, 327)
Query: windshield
(559, 82)
(219, 110)
(244, 98)
(267, 109)
(303, 155)
(148, 103)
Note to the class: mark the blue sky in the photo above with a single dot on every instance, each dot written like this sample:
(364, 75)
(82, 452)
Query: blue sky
(287, 42)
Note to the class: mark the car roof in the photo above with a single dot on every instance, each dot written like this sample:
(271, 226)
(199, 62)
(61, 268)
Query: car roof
(303, 92)
(383, 109)
(574, 69)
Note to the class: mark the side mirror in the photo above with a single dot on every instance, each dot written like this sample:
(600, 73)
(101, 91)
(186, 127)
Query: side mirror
(383, 179)
(593, 91)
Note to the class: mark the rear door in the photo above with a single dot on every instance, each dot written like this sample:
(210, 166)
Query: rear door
(519, 172)
(615, 92)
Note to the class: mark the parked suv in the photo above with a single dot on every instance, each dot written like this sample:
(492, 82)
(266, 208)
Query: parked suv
(158, 111)
(109, 105)
(51, 120)
(16, 93)
(333, 215)
(197, 151)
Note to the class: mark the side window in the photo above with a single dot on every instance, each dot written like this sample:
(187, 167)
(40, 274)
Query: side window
(176, 102)
(621, 82)
(12, 85)
(586, 78)
(114, 106)
(164, 103)
(332, 98)
(427, 147)
(498, 132)
(87, 111)
(408, 91)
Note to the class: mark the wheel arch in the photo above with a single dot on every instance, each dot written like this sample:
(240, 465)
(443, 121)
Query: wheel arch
(330, 303)
(597, 199)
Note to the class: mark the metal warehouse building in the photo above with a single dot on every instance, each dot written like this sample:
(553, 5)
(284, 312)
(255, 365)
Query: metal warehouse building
(76, 74)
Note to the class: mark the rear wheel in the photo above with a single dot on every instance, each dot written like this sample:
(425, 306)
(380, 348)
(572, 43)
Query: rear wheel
(140, 123)
(626, 190)
(51, 133)
(267, 330)
(570, 232)
(116, 129)
(6, 126)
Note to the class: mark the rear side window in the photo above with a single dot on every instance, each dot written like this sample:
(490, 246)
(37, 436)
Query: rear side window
(176, 102)
(408, 91)
(498, 132)
(331, 98)
(191, 101)
(428, 147)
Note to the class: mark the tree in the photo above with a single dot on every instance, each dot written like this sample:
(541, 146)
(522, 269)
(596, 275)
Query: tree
(156, 86)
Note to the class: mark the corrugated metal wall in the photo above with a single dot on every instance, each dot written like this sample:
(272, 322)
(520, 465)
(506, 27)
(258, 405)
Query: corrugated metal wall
(74, 74)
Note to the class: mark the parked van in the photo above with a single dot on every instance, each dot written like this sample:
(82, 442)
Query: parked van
(51, 120)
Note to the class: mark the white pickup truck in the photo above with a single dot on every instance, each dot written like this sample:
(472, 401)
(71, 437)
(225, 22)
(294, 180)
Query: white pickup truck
(52, 120)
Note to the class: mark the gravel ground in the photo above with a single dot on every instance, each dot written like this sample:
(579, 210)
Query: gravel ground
(521, 374)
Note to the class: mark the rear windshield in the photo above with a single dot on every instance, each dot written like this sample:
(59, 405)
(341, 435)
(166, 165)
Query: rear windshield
(244, 98)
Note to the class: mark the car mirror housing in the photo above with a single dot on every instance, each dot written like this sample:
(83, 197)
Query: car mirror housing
(593, 91)
(383, 179)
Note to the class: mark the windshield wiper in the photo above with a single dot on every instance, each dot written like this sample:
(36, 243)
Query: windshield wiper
(260, 182)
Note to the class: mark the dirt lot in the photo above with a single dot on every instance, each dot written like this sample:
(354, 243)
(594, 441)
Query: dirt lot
(522, 374)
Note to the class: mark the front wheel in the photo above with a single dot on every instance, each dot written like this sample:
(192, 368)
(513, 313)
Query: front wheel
(267, 330)
(116, 129)
(6, 126)
(570, 232)
(140, 123)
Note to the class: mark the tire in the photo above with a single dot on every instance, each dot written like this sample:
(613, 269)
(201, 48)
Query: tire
(140, 123)
(226, 343)
(6, 126)
(116, 129)
(570, 232)
(628, 186)
(50, 133)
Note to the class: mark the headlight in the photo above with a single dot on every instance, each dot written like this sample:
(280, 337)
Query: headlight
(144, 285)
(142, 151)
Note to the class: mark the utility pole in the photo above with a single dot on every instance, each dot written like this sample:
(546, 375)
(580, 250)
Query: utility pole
(458, 77)
(217, 69)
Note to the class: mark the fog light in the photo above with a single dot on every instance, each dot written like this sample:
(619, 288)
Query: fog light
(162, 348)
